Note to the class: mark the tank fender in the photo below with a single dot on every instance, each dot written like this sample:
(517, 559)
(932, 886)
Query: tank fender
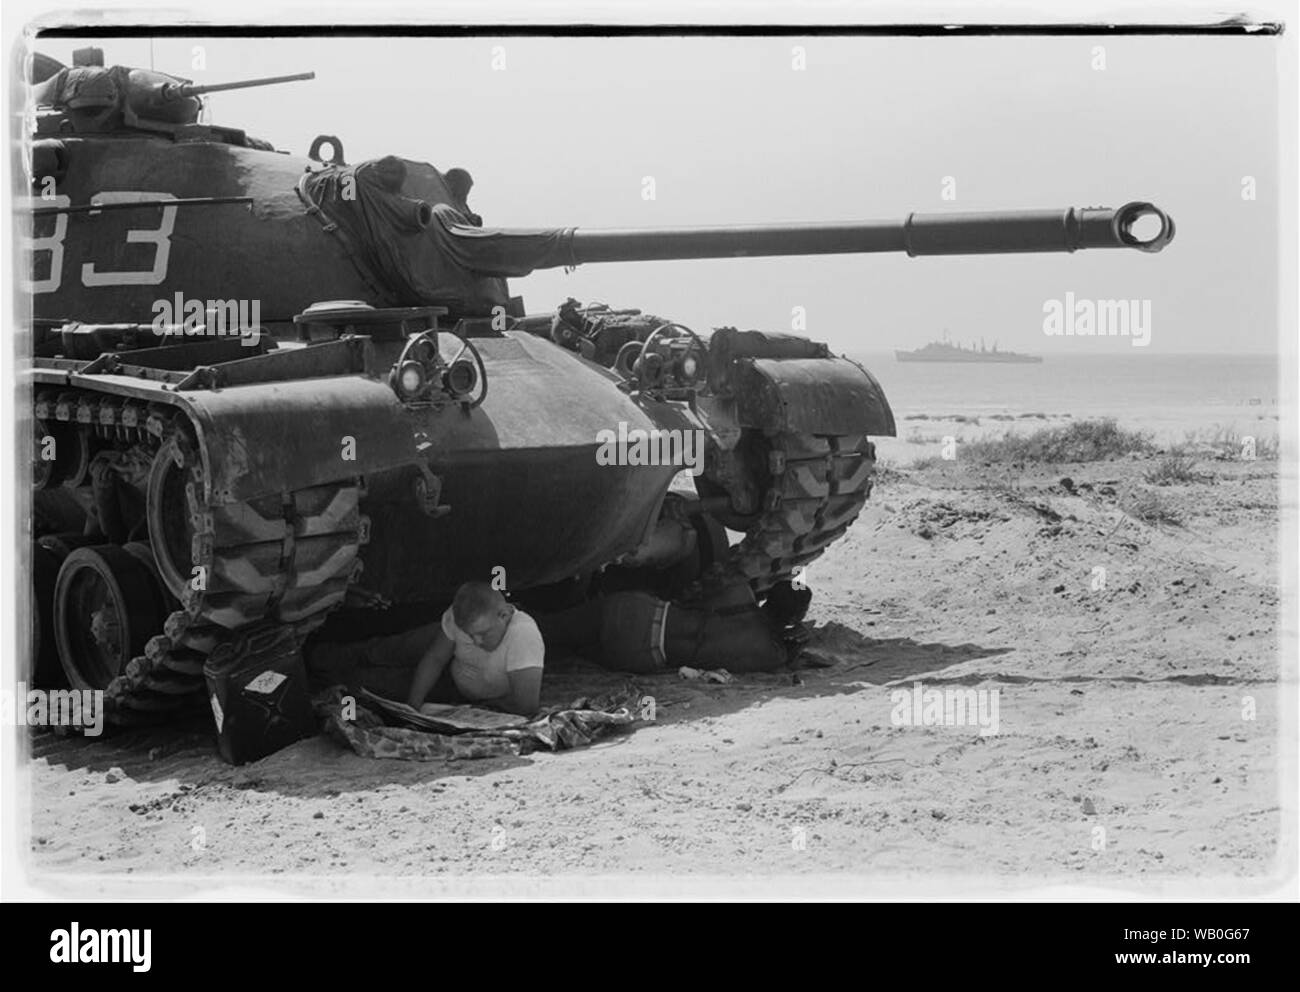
(810, 396)
(254, 442)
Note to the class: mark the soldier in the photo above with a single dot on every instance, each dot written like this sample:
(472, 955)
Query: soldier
(494, 650)
(640, 633)
(482, 651)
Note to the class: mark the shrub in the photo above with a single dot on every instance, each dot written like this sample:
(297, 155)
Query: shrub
(1082, 441)
(1175, 467)
(1151, 508)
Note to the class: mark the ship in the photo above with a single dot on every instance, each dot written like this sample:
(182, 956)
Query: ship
(946, 351)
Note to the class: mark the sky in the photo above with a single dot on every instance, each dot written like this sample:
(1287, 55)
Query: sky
(566, 133)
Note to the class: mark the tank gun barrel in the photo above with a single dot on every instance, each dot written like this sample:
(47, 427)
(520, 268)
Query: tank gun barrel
(506, 252)
(919, 234)
(178, 91)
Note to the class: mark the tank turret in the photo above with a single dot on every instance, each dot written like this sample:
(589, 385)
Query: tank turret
(94, 97)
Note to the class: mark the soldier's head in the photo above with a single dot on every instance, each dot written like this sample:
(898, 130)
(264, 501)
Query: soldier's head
(482, 614)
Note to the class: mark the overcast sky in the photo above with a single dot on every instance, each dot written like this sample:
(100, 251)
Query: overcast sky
(565, 134)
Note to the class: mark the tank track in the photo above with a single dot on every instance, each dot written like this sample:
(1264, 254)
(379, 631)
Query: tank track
(285, 560)
(817, 487)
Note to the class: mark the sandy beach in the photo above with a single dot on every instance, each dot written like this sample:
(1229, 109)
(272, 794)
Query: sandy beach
(1128, 628)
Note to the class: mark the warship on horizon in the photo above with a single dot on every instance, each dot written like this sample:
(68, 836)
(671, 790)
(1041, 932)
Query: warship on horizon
(946, 351)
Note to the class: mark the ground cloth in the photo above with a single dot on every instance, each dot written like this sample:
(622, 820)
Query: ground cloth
(366, 724)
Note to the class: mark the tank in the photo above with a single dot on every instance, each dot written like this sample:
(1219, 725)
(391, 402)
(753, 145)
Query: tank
(274, 391)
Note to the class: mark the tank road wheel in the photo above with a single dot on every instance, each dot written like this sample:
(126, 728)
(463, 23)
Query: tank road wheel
(79, 459)
(48, 555)
(46, 470)
(46, 672)
(816, 488)
(170, 522)
(106, 607)
(62, 455)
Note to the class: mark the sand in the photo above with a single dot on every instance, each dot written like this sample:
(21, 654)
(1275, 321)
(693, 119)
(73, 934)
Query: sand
(1137, 745)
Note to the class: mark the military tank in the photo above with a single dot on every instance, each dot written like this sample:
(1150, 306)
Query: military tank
(269, 387)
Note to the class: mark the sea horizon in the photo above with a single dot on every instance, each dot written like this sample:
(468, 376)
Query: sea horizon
(1172, 396)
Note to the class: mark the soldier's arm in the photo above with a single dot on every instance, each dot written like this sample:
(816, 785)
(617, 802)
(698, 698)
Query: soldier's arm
(524, 672)
(525, 692)
(430, 668)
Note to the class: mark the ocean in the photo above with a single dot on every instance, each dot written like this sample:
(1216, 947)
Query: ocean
(1174, 397)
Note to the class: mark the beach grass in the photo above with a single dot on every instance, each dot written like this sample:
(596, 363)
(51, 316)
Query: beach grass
(1230, 444)
(1175, 468)
(1081, 441)
(885, 472)
(1152, 508)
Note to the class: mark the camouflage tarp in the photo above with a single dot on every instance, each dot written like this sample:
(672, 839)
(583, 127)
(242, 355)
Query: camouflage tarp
(558, 729)
(412, 258)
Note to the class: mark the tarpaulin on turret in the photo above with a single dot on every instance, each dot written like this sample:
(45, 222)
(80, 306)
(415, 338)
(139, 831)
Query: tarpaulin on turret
(105, 93)
(413, 238)
(500, 253)
(82, 87)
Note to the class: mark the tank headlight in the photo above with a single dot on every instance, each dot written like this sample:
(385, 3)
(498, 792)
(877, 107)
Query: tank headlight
(461, 378)
(650, 368)
(424, 351)
(410, 379)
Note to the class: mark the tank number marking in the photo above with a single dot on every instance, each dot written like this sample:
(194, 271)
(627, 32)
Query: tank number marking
(53, 243)
(160, 237)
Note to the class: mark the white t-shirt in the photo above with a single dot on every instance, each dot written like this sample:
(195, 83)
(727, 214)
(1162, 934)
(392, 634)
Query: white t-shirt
(480, 674)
